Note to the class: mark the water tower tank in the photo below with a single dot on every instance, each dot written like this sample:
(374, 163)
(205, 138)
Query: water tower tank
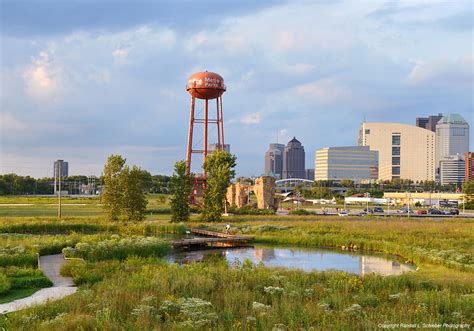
(206, 85)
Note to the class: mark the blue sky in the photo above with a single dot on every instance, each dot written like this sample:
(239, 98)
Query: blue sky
(81, 80)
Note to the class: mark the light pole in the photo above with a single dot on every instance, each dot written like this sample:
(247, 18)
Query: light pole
(59, 195)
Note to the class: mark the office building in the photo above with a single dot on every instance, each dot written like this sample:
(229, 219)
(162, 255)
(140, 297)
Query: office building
(294, 160)
(404, 151)
(60, 169)
(452, 170)
(214, 147)
(469, 166)
(356, 163)
(309, 174)
(452, 137)
(274, 160)
(429, 122)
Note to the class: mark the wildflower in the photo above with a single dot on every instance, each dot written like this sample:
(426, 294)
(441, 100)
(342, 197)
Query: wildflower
(272, 290)
(355, 309)
(260, 308)
(279, 327)
(251, 319)
(394, 297)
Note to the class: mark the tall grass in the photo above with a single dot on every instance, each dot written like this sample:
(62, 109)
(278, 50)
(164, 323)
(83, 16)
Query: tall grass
(140, 294)
(119, 248)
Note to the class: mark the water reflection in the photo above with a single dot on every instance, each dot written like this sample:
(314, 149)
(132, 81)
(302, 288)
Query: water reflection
(298, 258)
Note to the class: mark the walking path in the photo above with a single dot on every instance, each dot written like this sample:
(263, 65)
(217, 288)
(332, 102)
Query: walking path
(62, 286)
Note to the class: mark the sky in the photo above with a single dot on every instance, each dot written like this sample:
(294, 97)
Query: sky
(81, 80)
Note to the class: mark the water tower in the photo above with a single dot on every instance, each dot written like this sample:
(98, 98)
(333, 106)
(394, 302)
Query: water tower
(205, 86)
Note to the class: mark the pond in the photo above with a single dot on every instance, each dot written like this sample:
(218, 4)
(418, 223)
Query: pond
(302, 258)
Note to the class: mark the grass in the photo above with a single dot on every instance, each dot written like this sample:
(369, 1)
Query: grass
(119, 290)
(18, 294)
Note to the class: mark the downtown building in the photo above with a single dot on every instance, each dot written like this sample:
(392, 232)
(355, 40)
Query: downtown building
(452, 170)
(357, 163)
(274, 161)
(214, 147)
(404, 151)
(469, 167)
(294, 160)
(452, 139)
(428, 123)
(60, 170)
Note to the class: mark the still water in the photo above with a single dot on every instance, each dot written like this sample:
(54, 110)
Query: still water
(301, 258)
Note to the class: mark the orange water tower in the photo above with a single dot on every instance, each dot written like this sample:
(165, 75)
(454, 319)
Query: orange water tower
(205, 86)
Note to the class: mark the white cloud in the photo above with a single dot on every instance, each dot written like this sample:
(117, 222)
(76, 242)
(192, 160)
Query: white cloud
(250, 119)
(325, 90)
(43, 77)
(444, 71)
(120, 53)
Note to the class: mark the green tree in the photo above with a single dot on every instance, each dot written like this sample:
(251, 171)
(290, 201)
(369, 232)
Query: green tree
(219, 168)
(112, 198)
(468, 187)
(181, 186)
(134, 183)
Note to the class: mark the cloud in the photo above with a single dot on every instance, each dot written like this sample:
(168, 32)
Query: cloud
(325, 90)
(42, 77)
(121, 53)
(444, 71)
(251, 119)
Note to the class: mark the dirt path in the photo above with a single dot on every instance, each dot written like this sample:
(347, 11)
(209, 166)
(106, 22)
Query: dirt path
(62, 286)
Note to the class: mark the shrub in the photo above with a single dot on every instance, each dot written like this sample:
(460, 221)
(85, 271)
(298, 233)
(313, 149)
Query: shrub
(301, 212)
(119, 249)
(5, 284)
(30, 282)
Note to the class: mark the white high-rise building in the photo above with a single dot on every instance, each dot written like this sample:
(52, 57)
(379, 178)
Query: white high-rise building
(352, 162)
(452, 137)
(405, 151)
(452, 170)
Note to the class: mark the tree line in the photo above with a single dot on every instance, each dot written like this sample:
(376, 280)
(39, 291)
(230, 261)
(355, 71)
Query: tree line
(13, 184)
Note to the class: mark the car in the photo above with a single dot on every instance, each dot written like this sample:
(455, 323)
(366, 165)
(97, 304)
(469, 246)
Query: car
(454, 211)
(368, 210)
(378, 210)
(434, 211)
(421, 212)
(405, 211)
(363, 213)
(343, 214)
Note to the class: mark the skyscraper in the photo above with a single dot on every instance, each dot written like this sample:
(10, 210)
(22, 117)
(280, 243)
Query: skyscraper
(60, 168)
(405, 151)
(429, 122)
(274, 160)
(294, 160)
(452, 137)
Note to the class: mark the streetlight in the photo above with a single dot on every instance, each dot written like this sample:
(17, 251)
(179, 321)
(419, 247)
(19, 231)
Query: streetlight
(367, 195)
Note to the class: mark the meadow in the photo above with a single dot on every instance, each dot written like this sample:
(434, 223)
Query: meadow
(126, 283)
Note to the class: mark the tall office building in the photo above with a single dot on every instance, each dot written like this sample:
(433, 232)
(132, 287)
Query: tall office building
(429, 122)
(274, 160)
(452, 170)
(452, 137)
(309, 174)
(353, 162)
(405, 151)
(469, 166)
(214, 147)
(294, 160)
(60, 168)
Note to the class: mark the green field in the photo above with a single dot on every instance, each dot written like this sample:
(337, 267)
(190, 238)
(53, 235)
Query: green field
(125, 283)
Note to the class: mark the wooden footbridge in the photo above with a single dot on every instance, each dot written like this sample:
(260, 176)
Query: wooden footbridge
(212, 239)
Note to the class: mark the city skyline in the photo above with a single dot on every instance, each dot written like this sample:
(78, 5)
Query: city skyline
(86, 87)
